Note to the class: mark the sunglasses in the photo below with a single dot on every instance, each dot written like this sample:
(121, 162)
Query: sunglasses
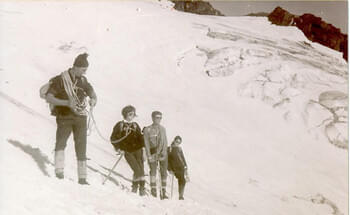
(131, 114)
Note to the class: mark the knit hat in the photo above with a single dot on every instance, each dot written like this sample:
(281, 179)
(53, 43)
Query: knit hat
(81, 60)
(127, 110)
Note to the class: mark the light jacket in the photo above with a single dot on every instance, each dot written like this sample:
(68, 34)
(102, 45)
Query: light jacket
(156, 142)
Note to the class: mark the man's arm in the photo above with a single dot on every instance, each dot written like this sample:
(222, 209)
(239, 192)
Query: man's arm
(146, 141)
(164, 143)
(54, 89)
(57, 102)
(182, 158)
(90, 92)
(170, 166)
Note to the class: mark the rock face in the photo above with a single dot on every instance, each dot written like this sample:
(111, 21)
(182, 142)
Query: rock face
(280, 16)
(197, 7)
(258, 14)
(314, 28)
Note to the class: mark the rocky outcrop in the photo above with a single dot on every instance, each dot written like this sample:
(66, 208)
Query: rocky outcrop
(280, 16)
(314, 28)
(197, 7)
(263, 14)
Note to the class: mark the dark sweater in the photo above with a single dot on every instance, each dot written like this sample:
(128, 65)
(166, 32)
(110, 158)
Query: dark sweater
(176, 159)
(83, 89)
(132, 142)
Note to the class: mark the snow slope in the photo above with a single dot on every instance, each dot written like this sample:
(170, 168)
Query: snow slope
(262, 111)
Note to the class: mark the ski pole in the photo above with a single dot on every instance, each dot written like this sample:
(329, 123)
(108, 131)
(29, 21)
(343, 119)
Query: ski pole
(159, 181)
(110, 172)
(172, 185)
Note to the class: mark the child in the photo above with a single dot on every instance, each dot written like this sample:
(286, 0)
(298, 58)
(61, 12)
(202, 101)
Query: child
(177, 164)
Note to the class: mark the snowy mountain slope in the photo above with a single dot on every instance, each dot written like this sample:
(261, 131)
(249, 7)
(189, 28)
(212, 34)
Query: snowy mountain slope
(244, 95)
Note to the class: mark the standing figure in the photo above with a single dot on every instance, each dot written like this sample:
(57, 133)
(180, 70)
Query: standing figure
(177, 164)
(126, 136)
(156, 150)
(68, 94)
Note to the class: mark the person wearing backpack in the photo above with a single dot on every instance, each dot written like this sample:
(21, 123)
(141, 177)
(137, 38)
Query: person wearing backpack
(127, 136)
(68, 93)
(156, 144)
(177, 165)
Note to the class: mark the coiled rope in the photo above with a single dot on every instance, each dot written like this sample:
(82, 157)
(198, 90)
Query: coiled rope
(81, 107)
(71, 89)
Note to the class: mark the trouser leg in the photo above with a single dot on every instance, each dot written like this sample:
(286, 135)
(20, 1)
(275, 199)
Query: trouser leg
(64, 129)
(163, 173)
(153, 179)
(80, 137)
(79, 134)
(141, 172)
(131, 160)
(181, 182)
(135, 162)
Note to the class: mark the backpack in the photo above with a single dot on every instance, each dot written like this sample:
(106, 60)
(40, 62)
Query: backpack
(43, 93)
(43, 90)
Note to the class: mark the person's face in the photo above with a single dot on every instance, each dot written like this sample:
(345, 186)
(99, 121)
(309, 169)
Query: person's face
(80, 71)
(130, 116)
(156, 119)
(177, 141)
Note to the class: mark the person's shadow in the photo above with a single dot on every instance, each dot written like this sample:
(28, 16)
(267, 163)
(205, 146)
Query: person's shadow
(40, 159)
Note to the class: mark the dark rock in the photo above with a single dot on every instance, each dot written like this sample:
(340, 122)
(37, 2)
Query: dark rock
(263, 14)
(197, 7)
(314, 28)
(280, 16)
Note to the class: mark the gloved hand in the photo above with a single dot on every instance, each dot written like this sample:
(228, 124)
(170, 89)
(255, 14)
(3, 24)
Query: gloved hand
(72, 105)
(187, 177)
(152, 158)
(92, 102)
(119, 152)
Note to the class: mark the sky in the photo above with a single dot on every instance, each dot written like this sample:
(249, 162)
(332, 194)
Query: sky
(334, 12)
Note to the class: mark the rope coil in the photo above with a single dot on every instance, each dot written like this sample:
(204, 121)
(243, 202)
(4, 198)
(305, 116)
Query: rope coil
(71, 89)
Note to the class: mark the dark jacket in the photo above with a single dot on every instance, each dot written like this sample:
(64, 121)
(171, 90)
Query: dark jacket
(176, 159)
(83, 89)
(132, 142)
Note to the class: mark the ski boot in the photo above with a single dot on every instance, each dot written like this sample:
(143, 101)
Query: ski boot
(83, 181)
(134, 186)
(163, 194)
(142, 190)
(60, 175)
(154, 192)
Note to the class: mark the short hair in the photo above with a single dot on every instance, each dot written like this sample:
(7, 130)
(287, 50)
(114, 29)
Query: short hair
(128, 109)
(155, 113)
(178, 138)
